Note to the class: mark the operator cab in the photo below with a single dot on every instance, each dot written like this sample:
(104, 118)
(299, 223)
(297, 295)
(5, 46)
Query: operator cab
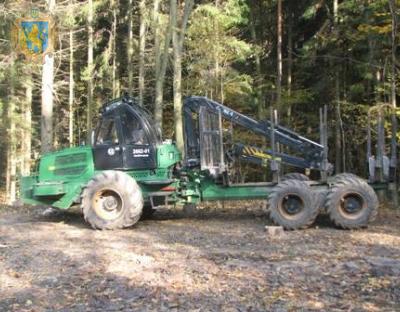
(126, 137)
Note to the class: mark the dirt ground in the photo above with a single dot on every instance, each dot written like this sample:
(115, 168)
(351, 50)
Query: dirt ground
(219, 260)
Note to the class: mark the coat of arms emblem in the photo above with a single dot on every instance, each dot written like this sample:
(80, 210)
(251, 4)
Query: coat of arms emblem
(33, 36)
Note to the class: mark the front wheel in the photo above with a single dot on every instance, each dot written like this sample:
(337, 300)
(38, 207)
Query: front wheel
(112, 200)
(291, 205)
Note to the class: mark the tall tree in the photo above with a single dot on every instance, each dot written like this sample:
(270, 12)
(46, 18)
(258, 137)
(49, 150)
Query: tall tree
(47, 95)
(71, 75)
(130, 47)
(114, 72)
(90, 65)
(142, 47)
(339, 152)
(12, 137)
(279, 55)
(26, 144)
(259, 98)
(161, 62)
(289, 57)
(394, 15)
(178, 35)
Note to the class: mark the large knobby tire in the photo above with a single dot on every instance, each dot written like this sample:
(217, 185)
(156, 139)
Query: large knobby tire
(112, 200)
(295, 176)
(340, 177)
(292, 206)
(351, 203)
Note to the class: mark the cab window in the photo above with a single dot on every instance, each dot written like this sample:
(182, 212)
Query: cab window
(132, 128)
(107, 133)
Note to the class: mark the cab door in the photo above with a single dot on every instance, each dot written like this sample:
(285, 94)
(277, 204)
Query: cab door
(107, 150)
(139, 152)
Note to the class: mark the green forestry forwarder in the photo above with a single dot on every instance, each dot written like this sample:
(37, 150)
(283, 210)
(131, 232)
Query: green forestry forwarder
(130, 171)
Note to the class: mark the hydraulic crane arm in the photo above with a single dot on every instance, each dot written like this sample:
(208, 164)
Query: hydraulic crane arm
(261, 157)
(311, 152)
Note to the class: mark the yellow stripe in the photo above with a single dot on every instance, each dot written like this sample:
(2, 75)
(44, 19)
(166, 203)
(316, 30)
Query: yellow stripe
(257, 152)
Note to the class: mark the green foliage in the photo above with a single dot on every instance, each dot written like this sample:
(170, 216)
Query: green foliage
(213, 47)
(310, 12)
(221, 49)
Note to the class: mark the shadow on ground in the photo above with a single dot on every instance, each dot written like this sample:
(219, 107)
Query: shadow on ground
(219, 260)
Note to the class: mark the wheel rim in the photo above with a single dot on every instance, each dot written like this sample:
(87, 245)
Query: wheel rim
(351, 204)
(291, 206)
(107, 204)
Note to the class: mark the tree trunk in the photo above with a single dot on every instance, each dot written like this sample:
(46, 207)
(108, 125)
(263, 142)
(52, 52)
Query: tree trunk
(371, 50)
(290, 62)
(113, 50)
(161, 68)
(257, 57)
(12, 140)
(378, 85)
(216, 58)
(27, 126)
(130, 48)
(338, 139)
(155, 23)
(157, 41)
(47, 104)
(8, 175)
(157, 62)
(142, 47)
(279, 55)
(177, 77)
(393, 11)
(46, 129)
(90, 74)
(4, 150)
(178, 34)
(71, 81)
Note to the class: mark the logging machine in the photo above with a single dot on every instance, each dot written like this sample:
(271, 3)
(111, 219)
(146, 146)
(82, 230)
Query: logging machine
(130, 171)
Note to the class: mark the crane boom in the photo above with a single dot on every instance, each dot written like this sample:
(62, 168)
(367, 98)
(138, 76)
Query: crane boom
(311, 152)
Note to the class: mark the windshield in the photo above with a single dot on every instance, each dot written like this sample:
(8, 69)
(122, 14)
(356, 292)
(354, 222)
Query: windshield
(133, 129)
(107, 133)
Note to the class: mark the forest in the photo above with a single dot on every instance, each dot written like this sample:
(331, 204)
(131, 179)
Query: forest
(229, 235)
(295, 56)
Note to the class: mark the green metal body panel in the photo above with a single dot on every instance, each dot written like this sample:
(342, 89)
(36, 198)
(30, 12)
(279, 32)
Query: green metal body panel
(235, 192)
(167, 156)
(62, 175)
(199, 186)
(60, 178)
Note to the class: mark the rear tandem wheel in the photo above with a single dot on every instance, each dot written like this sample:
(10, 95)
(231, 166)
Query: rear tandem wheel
(351, 203)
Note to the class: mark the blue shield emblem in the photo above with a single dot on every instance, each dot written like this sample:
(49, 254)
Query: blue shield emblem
(33, 37)
(36, 36)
